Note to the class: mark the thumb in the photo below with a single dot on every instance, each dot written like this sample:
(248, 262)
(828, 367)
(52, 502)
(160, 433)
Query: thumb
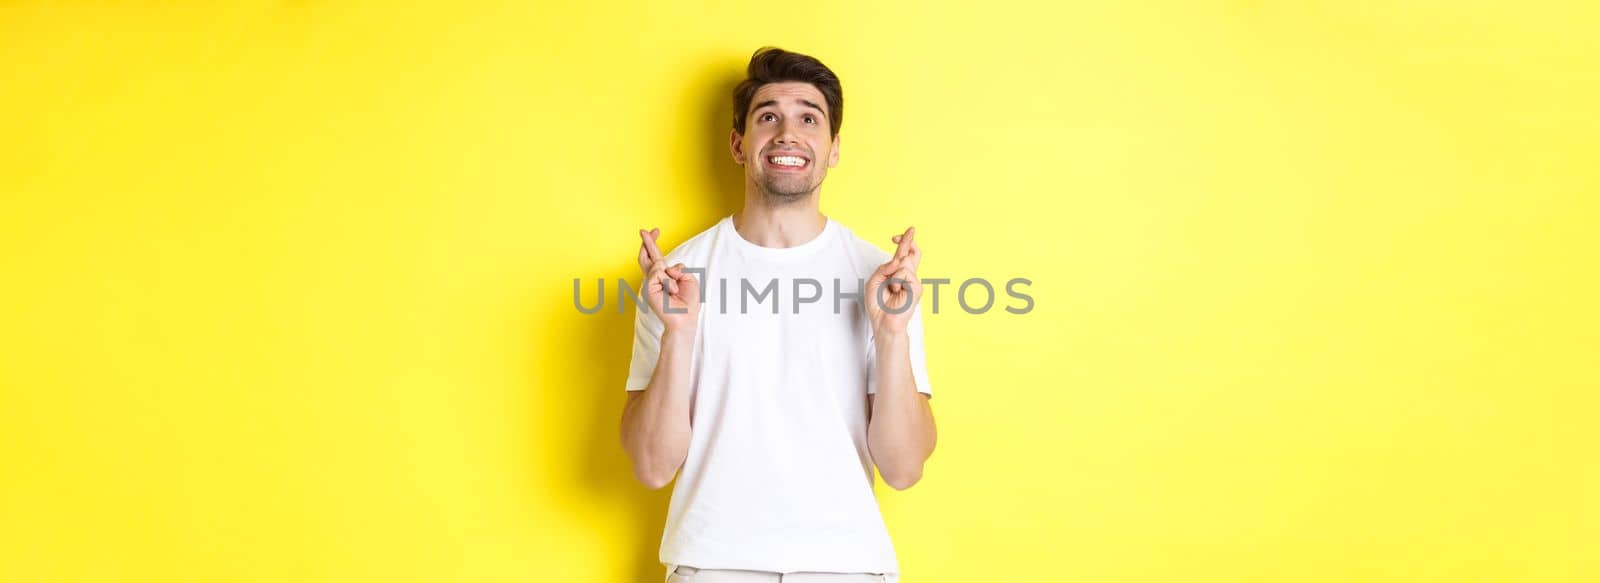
(881, 273)
(678, 278)
(888, 271)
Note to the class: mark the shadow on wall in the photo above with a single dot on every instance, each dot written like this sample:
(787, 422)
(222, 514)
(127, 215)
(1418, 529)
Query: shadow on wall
(723, 176)
(601, 468)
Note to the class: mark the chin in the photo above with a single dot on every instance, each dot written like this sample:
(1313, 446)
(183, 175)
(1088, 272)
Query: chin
(788, 195)
(790, 190)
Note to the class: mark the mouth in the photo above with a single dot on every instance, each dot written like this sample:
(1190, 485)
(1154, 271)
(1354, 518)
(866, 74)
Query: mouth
(787, 162)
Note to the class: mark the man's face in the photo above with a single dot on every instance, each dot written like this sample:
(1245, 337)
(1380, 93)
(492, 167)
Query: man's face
(786, 148)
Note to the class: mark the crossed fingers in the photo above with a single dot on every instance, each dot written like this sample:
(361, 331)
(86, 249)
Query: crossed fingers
(906, 258)
(651, 264)
(649, 253)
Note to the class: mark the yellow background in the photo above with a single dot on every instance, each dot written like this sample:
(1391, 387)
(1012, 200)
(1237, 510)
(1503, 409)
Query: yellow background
(287, 287)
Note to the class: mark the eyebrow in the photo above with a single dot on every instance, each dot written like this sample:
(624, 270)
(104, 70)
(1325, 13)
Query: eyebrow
(805, 102)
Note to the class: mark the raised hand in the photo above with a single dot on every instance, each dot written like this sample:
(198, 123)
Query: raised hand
(673, 294)
(890, 309)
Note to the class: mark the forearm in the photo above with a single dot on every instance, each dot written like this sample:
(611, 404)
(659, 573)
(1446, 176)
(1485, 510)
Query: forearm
(900, 434)
(655, 425)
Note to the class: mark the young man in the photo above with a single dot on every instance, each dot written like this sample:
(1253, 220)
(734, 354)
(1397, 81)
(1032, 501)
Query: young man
(781, 374)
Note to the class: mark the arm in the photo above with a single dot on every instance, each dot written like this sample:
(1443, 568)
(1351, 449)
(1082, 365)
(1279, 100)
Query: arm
(655, 422)
(900, 430)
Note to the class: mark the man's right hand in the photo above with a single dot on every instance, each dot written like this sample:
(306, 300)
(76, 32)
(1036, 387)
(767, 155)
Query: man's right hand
(673, 294)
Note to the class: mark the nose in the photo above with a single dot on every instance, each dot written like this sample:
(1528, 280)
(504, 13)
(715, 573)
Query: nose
(789, 135)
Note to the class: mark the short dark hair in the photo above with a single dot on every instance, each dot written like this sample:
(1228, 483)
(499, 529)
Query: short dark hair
(775, 65)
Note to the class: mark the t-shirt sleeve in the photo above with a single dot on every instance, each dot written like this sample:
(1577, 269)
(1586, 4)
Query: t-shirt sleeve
(919, 360)
(647, 329)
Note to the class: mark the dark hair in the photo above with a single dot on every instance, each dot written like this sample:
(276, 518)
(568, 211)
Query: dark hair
(775, 65)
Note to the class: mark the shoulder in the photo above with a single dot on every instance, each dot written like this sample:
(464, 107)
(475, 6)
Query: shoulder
(863, 253)
(695, 251)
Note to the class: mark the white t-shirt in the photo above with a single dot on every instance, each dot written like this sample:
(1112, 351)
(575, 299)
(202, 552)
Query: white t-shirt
(778, 476)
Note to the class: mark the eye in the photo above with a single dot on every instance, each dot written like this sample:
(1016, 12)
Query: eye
(811, 120)
(768, 117)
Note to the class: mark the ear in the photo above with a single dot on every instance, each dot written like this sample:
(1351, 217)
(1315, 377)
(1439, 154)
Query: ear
(736, 146)
(833, 157)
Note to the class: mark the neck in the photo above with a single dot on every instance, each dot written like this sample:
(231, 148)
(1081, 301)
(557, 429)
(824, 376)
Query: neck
(779, 226)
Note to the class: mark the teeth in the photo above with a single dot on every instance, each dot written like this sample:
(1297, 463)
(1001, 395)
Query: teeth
(788, 160)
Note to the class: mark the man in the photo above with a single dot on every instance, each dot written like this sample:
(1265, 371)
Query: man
(776, 398)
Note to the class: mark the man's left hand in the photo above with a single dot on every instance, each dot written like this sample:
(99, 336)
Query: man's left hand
(890, 308)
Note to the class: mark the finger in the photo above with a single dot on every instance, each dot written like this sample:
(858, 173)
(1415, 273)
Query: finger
(650, 243)
(880, 274)
(645, 260)
(900, 247)
(907, 276)
(913, 257)
(655, 236)
(655, 286)
(685, 281)
(888, 267)
(911, 284)
(889, 270)
(676, 275)
(873, 290)
(895, 238)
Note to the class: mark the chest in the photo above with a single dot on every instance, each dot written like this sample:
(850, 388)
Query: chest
(797, 332)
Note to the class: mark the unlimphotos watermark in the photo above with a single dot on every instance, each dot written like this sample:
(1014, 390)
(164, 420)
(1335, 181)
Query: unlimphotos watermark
(758, 292)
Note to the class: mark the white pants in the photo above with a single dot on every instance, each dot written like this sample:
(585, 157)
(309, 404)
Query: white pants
(688, 574)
